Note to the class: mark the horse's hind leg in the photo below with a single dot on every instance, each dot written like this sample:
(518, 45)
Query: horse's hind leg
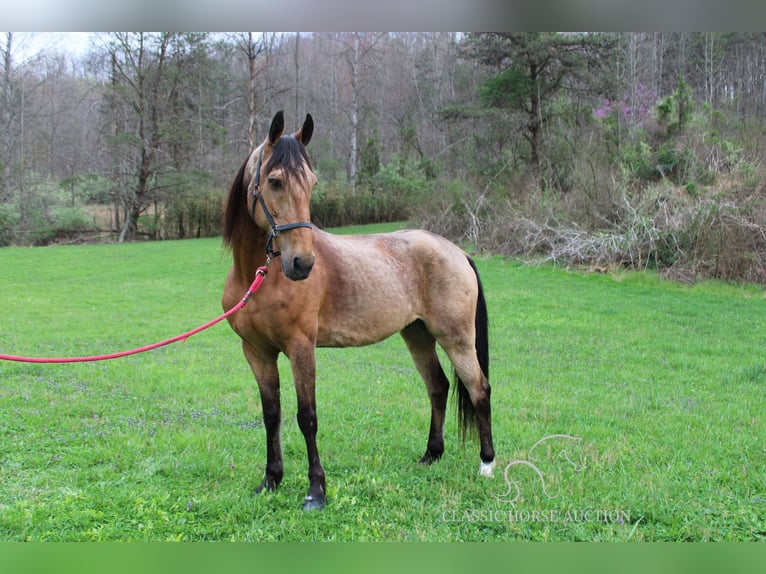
(476, 408)
(422, 347)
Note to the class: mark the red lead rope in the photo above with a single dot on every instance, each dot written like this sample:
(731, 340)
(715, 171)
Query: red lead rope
(259, 275)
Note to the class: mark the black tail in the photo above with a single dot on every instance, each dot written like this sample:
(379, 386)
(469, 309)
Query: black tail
(466, 414)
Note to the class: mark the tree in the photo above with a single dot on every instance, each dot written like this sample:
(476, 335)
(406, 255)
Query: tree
(152, 79)
(139, 61)
(252, 49)
(359, 47)
(8, 132)
(531, 70)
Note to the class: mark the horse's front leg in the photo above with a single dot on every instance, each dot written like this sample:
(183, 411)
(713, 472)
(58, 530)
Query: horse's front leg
(302, 360)
(267, 376)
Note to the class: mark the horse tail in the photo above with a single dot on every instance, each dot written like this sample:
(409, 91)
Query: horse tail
(466, 413)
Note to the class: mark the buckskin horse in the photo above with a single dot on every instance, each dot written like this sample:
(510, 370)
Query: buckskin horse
(343, 291)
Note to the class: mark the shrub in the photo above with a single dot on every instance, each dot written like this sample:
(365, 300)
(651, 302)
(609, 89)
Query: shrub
(70, 223)
(364, 207)
(192, 213)
(9, 219)
(675, 163)
(401, 178)
(722, 240)
(638, 161)
(389, 195)
(88, 187)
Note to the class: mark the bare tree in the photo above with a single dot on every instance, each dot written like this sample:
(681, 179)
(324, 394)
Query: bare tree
(252, 49)
(358, 49)
(8, 136)
(297, 82)
(140, 61)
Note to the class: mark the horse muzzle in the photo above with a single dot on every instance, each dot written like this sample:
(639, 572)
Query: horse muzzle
(297, 268)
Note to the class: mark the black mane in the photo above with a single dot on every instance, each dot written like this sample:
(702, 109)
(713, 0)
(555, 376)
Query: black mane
(236, 206)
(289, 154)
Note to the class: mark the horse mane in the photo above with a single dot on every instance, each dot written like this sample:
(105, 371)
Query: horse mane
(235, 216)
(289, 154)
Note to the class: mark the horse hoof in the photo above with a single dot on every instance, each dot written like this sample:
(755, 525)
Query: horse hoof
(310, 504)
(268, 484)
(429, 458)
(487, 468)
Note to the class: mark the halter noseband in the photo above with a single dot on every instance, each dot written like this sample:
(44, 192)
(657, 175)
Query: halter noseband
(275, 229)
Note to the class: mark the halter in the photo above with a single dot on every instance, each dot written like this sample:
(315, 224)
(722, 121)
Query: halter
(275, 229)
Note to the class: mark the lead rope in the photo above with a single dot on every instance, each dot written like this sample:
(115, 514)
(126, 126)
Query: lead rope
(260, 274)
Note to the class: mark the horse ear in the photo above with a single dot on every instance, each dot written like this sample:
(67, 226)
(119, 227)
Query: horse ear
(304, 134)
(277, 127)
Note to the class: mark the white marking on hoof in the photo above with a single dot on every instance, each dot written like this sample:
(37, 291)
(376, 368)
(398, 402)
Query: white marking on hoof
(487, 468)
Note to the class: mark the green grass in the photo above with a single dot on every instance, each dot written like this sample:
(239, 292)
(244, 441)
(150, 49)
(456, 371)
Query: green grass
(664, 385)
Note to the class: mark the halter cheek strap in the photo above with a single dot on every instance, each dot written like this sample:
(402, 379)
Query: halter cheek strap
(275, 229)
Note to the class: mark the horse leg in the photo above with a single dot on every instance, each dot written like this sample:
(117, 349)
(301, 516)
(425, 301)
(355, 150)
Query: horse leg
(469, 372)
(303, 365)
(267, 376)
(422, 347)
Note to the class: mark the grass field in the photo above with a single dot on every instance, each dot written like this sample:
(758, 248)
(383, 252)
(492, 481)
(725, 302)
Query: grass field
(663, 386)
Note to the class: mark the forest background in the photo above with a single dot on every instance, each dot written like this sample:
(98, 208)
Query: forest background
(607, 150)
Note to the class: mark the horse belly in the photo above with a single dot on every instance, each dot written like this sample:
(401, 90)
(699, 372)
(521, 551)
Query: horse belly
(359, 330)
(370, 311)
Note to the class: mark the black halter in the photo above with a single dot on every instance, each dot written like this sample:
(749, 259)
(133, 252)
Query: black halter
(275, 229)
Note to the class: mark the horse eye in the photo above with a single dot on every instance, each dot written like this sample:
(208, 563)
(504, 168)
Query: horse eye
(275, 183)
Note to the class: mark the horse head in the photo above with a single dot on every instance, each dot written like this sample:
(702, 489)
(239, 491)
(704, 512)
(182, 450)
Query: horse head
(280, 180)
